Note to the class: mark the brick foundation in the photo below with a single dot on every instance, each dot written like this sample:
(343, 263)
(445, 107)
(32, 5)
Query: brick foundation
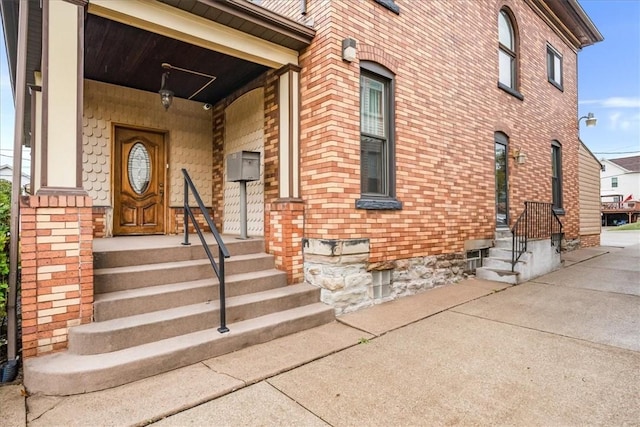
(57, 269)
(590, 241)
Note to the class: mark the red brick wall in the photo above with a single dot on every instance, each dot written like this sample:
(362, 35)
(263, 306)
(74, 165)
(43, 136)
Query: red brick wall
(448, 107)
(57, 269)
(590, 241)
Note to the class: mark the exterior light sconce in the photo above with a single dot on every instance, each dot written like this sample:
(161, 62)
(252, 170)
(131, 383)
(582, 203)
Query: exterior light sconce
(591, 120)
(166, 96)
(349, 50)
(518, 156)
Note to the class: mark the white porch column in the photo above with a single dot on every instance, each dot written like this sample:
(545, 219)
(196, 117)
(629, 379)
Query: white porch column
(289, 125)
(62, 72)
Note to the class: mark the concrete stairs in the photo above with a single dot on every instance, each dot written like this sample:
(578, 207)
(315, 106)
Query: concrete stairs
(157, 309)
(540, 258)
(497, 266)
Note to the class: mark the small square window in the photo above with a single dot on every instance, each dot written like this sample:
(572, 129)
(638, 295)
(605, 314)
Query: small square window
(614, 182)
(554, 67)
(380, 284)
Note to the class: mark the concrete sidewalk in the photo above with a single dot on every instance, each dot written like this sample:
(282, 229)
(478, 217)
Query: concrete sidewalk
(563, 349)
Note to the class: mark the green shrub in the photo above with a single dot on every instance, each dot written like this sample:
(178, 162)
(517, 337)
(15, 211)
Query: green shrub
(5, 215)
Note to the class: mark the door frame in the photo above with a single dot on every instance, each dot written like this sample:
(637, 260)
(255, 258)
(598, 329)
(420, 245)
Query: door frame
(502, 139)
(165, 172)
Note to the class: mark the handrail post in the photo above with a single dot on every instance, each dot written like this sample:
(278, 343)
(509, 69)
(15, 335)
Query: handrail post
(185, 206)
(223, 301)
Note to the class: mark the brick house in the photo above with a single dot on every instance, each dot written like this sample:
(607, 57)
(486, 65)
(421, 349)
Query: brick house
(394, 144)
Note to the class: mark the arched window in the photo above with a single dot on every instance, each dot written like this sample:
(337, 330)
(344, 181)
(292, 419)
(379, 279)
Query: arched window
(507, 52)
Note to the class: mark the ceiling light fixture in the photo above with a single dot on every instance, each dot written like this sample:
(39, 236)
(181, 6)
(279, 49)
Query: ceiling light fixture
(166, 95)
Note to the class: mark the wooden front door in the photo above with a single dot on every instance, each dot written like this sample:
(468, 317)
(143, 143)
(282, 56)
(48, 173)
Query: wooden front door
(139, 175)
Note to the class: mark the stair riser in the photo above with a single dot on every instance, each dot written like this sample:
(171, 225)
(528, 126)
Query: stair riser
(507, 254)
(209, 317)
(120, 281)
(503, 243)
(485, 274)
(100, 378)
(114, 309)
(500, 264)
(503, 234)
(126, 258)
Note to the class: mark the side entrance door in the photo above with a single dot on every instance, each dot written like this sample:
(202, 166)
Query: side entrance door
(139, 176)
(502, 183)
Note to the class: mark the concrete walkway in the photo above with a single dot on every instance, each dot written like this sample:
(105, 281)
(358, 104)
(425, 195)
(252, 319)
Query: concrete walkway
(563, 349)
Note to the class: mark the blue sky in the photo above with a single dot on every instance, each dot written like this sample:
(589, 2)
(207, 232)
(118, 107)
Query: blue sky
(609, 79)
(608, 84)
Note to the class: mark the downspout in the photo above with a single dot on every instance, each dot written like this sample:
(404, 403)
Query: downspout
(303, 7)
(21, 72)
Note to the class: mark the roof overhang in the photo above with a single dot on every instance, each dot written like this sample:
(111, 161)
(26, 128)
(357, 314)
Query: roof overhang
(570, 20)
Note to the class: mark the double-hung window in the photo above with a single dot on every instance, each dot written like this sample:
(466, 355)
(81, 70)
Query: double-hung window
(554, 67)
(377, 163)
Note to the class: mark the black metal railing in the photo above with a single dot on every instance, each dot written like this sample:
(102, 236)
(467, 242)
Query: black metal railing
(537, 221)
(223, 253)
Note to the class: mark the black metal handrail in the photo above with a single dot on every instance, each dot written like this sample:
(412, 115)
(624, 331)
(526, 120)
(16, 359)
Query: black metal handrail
(537, 221)
(222, 249)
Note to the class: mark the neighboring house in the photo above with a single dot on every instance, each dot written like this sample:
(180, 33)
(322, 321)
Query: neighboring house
(589, 184)
(620, 190)
(397, 139)
(6, 172)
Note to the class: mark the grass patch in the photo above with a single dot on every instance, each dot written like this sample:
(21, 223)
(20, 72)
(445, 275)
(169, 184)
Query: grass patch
(632, 226)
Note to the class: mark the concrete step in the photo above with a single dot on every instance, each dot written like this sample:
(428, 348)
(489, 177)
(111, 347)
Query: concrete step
(125, 332)
(124, 257)
(65, 373)
(504, 276)
(131, 302)
(140, 276)
(502, 264)
(507, 254)
(506, 243)
(503, 233)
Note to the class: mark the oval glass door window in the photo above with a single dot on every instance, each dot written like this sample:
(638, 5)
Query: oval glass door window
(139, 168)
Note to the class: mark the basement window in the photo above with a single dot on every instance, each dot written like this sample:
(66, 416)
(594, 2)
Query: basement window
(381, 284)
(474, 259)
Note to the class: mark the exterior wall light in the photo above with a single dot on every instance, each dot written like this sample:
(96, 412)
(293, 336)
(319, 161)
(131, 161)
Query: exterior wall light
(518, 156)
(591, 120)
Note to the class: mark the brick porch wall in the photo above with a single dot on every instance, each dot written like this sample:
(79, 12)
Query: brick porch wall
(57, 269)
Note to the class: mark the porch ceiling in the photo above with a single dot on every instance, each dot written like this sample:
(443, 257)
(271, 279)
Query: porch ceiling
(127, 56)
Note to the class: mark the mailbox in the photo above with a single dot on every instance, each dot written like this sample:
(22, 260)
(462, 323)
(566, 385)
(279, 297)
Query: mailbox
(243, 166)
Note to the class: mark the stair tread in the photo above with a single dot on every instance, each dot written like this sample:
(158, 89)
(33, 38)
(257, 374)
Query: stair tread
(174, 287)
(173, 264)
(65, 362)
(129, 322)
(503, 272)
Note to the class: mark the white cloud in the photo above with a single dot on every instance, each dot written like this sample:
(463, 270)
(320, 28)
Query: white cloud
(614, 102)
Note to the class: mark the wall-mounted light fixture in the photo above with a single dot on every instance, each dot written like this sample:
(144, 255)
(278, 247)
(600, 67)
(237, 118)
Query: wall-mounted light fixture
(591, 120)
(518, 156)
(349, 50)
(166, 95)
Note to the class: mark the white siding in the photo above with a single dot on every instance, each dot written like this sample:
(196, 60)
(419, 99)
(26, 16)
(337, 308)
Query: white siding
(589, 193)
